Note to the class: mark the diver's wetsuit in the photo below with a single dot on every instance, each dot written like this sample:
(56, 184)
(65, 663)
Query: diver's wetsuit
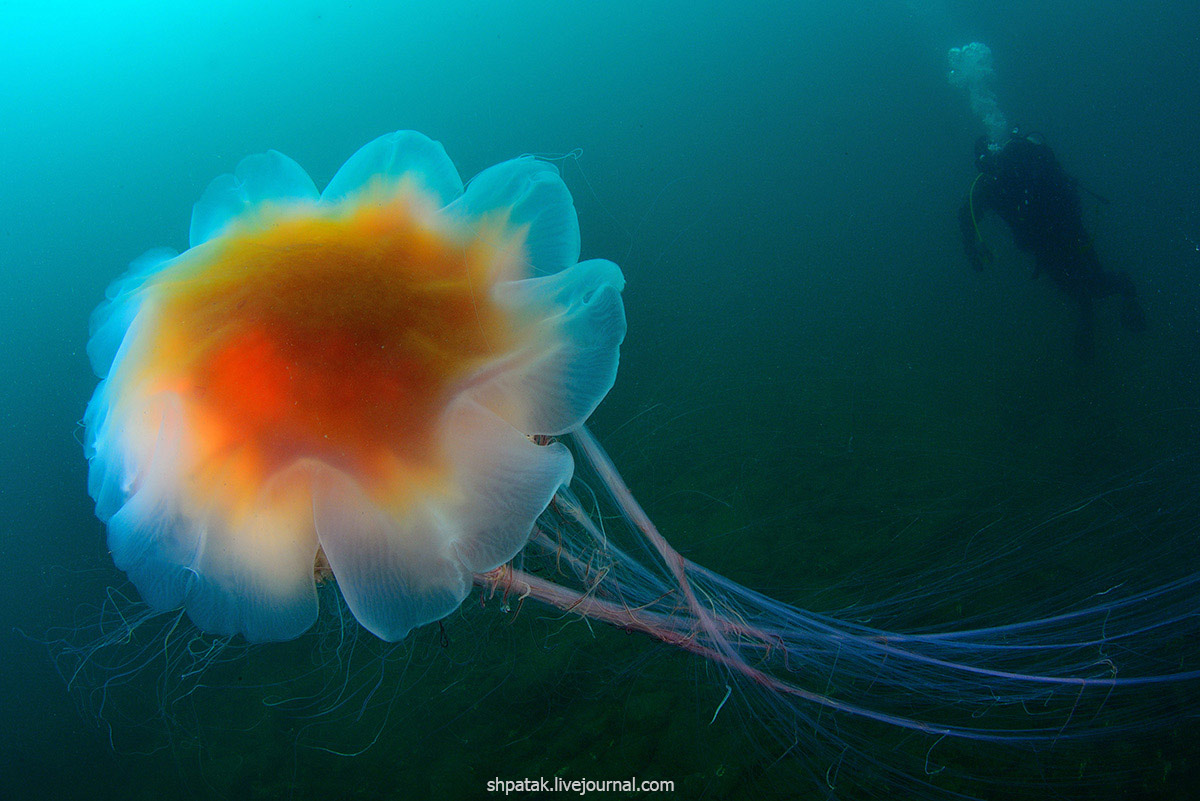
(1024, 184)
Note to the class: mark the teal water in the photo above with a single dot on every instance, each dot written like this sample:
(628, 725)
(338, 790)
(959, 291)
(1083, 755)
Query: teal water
(817, 397)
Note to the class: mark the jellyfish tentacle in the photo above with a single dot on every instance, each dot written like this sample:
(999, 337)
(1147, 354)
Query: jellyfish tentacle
(531, 197)
(1060, 662)
(391, 158)
(269, 177)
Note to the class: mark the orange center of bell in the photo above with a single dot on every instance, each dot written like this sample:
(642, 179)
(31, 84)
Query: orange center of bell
(337, 336)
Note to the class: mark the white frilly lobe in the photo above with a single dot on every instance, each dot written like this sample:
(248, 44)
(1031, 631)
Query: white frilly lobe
(394, 156)
(399, 572)
(112, 319)
(555, 387)
(269, 177)
(255, 577)
(147, 537)
(535, 198)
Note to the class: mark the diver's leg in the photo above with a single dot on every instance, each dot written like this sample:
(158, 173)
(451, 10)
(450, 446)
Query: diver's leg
(1105, 284)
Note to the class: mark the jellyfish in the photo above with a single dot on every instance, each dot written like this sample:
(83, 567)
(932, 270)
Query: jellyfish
(347, 383)
(385, 385)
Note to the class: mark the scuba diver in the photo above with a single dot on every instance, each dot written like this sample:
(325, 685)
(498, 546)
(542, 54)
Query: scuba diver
(1024, 184)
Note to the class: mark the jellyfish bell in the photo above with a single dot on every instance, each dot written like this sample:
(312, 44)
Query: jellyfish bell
(357, 382)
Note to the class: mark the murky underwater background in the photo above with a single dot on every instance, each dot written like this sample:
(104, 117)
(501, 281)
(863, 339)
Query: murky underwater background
(817, 397)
